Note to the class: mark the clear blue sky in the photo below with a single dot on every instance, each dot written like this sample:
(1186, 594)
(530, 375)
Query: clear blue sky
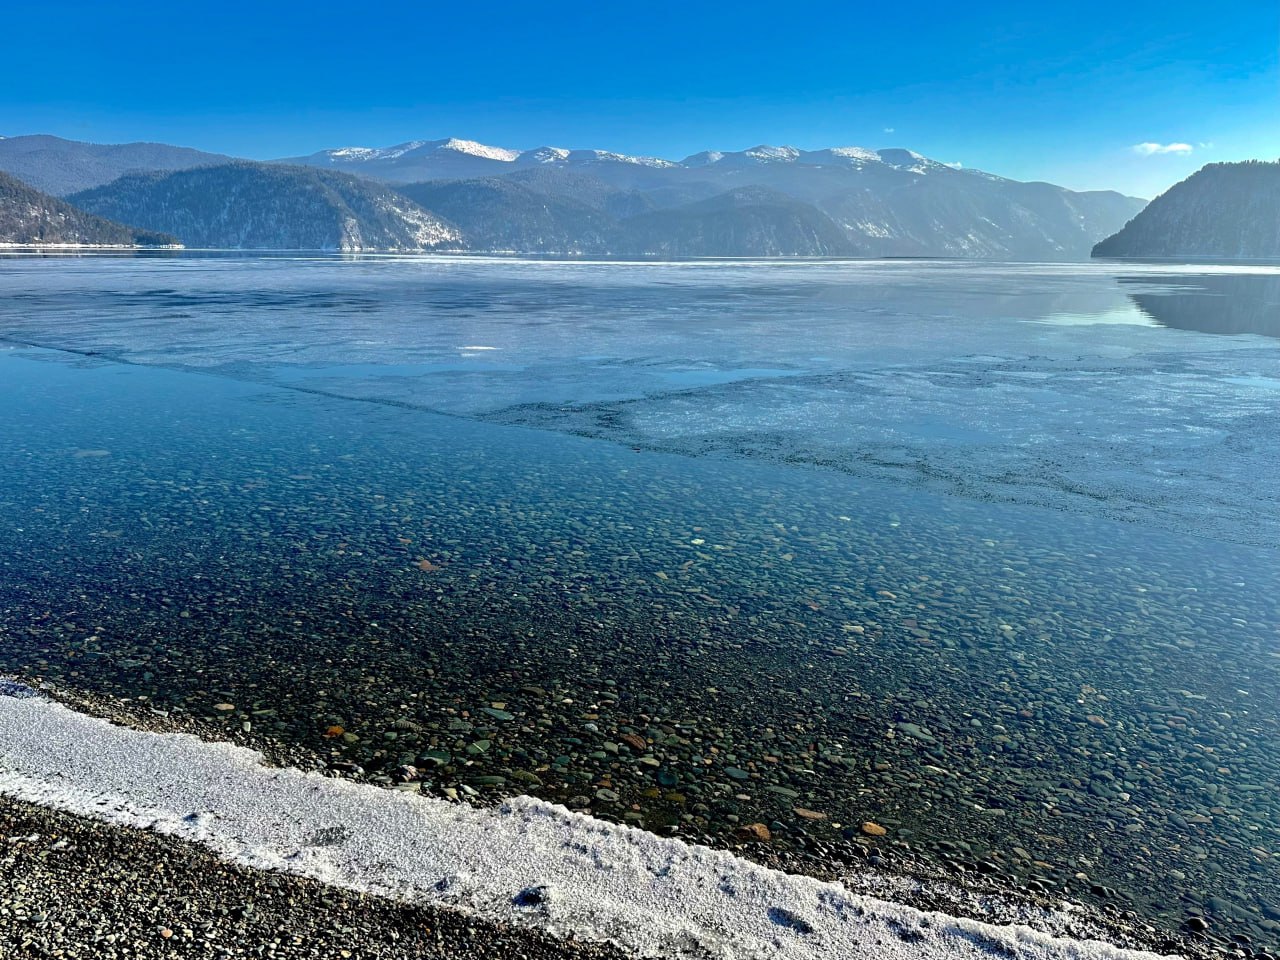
(1059, 91)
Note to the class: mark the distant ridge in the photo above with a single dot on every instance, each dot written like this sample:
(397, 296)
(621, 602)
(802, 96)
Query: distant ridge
(245, 205)
(512, 214)
(1224, 210)
(744, 222)
(498, 214)
(61, 167)
(31, 218)
(454, 158)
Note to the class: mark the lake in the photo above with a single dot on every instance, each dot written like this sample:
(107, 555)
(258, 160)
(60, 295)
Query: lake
(982, 554)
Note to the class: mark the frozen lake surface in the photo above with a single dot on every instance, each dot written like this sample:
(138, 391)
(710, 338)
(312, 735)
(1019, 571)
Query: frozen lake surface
(1082, 387)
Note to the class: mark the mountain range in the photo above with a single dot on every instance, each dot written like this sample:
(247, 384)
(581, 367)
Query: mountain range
(455, 159)
(31, 218)
(460, 194)
(891, 202)
(1222, 211)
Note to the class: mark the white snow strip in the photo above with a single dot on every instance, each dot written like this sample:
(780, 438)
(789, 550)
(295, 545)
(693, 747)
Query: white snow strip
(14, 245)
(649, 895)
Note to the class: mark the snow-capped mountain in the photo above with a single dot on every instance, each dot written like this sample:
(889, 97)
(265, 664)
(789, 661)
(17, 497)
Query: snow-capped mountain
(416, 149)
(456, 159)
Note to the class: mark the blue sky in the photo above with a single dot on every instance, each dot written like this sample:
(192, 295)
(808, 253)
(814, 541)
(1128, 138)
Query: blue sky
(1058, 91)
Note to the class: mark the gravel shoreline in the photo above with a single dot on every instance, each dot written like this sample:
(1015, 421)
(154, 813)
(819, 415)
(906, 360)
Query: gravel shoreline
(71, 887)
(75, 887)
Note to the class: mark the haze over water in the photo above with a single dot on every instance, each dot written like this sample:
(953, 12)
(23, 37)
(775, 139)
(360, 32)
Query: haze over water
(983, 553)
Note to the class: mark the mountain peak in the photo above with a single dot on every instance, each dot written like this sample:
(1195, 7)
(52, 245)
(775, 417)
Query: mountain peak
(846, 155)
(703, 159)
(457, 157)
(474, 149)
(606, 156)
(899, 157)
(769, 154)
(354, 153)
(544, 155)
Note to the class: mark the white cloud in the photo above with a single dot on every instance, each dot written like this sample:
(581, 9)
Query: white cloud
(1150, 149)
(888, 129)
(954, 166)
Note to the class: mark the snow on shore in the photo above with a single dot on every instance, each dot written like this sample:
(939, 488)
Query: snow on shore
(526, 861)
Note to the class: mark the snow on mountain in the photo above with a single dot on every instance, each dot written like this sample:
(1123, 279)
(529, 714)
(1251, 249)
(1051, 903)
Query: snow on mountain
(605, 156)
(844, 200)
(765, 200)
(704, 159)
(544, 155)
(413, 146)
(416, 148)
(474, 149)
(422, 149)
(354, 153)
(459, 159)
(842, 156)
(559, 155)
(767, 154)
(910, 161)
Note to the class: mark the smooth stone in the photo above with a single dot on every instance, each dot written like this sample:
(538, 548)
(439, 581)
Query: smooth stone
(916, 731)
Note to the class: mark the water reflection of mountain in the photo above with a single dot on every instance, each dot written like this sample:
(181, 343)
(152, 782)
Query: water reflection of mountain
(1212, 303)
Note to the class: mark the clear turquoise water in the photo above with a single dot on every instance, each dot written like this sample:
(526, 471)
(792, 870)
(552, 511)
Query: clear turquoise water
(983, 553)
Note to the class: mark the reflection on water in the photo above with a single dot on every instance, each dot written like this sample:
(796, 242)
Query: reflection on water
(1212, 303)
